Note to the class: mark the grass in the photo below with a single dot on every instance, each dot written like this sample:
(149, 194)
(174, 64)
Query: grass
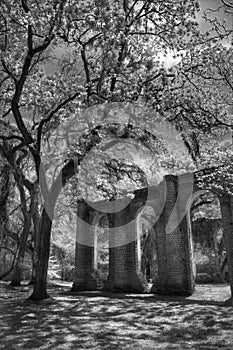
(101, 321)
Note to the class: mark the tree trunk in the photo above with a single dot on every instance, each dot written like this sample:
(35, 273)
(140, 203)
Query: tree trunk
(36, 228)
(33, 277)
(43, 234)
(5, 273)
(16, 279)
(42, 258)
(226, 202)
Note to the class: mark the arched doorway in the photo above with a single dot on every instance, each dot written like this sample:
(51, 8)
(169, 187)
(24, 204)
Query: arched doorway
(146, 248)
(101, 249)
(173, 239)
(207, 233)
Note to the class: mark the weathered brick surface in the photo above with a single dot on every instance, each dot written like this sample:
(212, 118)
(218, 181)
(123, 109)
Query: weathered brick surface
(122, 256)
(174, 252)
(175, 263)
(226, 202)
(84, 276)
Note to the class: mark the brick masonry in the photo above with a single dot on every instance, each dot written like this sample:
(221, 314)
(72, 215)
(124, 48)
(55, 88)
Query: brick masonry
(175, 260)
(175, 257)
(84, 275)
(123, 276)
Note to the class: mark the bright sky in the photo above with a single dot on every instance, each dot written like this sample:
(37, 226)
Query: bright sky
(169, 61)
(214, 4)
(205, 4)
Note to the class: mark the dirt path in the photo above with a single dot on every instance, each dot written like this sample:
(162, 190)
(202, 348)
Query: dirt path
(100, 321)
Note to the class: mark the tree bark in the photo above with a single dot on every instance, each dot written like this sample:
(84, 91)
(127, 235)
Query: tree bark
(42, 258)
(5, 273)
(16, 279)
(226, 202)
(36, 227)
(32, 281)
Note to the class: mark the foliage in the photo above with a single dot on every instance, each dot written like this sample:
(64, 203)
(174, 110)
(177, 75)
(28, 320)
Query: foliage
(60, 58)
(206, 206)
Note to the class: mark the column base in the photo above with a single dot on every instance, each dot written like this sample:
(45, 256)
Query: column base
(132, 285)
(85, 283)
(229, 302)
(172, 290)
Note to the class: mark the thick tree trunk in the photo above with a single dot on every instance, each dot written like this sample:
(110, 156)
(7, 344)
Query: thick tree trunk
(42, 258)
(36, 228)
(226, 202)
(4, 193)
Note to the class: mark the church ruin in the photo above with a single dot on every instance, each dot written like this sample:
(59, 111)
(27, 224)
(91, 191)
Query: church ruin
(170, 202)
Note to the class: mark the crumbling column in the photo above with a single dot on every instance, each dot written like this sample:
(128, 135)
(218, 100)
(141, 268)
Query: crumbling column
(123, 275)
(173, 232)
(226, 202)
(84, 276)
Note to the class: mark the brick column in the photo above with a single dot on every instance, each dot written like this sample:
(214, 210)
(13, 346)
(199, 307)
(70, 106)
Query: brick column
(226, 202)
(84, 276)
(175, 258)
(122, 254)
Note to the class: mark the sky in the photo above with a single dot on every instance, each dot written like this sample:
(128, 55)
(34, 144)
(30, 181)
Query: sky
(169, 61)
(213, 4)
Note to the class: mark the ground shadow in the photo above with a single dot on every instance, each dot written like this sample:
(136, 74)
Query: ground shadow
(111, 321)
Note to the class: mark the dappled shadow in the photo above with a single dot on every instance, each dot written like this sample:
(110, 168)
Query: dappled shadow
(97, 320)
(147, 297)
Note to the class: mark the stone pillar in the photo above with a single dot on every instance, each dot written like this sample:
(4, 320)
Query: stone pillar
(226, 202)
(95, 248)
(175, 258)
(123, 275)
(84, 275)
(138, 238)
(160, 281)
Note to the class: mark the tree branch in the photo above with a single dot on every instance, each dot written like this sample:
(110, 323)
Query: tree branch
(10, 74)
(227, 4)
(50, 116)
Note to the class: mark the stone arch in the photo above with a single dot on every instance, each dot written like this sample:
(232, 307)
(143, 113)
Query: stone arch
(207, 240)
(109, 134)
(174, 249)
(226, 204)
(175, 266)
(176, 273)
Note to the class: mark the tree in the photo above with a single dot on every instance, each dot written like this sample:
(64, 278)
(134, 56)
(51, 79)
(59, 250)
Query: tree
(202, 111)
(108, 47)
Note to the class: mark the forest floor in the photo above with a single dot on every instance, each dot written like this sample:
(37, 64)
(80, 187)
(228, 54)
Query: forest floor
(105, 321)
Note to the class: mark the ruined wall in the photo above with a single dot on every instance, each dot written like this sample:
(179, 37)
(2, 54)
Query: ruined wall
(123, 276)
(209, 250)
(84, 275)
(175, 273)
(175, 256)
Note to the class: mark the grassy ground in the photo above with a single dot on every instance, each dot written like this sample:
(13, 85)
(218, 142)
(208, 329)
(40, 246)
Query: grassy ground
(101, 321)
